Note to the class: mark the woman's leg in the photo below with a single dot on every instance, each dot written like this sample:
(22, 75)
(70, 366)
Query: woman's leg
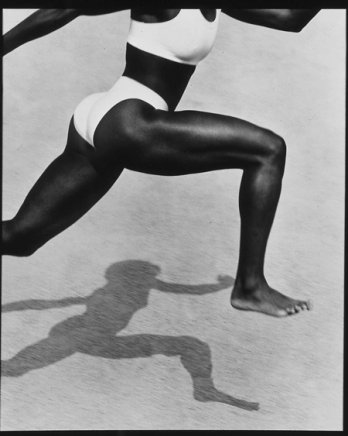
(136, 136)
(67, 189)
(176, 143)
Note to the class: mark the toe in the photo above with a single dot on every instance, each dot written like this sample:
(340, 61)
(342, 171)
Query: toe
(290, 310)
(302, 305)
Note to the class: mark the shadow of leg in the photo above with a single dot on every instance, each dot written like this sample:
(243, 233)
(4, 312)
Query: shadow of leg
(46, 352)
(204, 390)
(194, 354)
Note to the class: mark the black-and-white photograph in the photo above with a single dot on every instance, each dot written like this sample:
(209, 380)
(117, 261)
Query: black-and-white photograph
(173, 199)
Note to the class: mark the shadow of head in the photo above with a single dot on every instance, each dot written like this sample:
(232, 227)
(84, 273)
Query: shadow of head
(132, 273)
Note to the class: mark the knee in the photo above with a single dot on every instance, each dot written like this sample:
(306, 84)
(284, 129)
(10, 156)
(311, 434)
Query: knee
(24, 250)
(14, 242)
(275, 149)
(195, 348)
(196, 356)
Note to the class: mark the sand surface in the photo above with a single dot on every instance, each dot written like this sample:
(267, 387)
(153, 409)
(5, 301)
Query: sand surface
(90, 338)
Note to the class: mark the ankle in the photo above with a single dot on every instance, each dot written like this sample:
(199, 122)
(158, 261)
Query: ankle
(248, 284)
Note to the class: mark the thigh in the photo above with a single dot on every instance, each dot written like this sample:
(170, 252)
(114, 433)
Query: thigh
(176, 143)
(65, 191)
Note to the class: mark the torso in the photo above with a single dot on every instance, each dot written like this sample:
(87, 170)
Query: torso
(163, 49)
(165, 45)
(180, 35)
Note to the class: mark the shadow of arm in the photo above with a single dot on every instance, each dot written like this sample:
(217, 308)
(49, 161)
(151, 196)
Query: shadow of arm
(223, 283)
(42, 304)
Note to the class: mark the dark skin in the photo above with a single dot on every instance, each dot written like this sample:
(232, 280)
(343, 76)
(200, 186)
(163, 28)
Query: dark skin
(164, 143)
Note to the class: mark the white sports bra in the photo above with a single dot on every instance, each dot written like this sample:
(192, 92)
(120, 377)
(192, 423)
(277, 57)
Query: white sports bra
(187, 38)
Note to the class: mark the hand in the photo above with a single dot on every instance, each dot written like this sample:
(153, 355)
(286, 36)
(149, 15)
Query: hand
(225, 281)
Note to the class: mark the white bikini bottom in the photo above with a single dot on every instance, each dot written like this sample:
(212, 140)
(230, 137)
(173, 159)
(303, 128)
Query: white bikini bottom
(92, 109)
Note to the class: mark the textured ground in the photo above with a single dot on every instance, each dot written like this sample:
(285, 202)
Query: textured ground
(86, 290)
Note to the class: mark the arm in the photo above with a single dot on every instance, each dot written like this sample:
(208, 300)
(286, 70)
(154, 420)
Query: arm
(43, 22)
(42, 304)
(290, 20)
(223, 282)
(38, 24)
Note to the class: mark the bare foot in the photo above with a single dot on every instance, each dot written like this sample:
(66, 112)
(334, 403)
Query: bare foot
(267, 300)
(204, 390)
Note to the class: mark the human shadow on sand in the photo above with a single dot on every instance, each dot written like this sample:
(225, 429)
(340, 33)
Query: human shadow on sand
(108, 311)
